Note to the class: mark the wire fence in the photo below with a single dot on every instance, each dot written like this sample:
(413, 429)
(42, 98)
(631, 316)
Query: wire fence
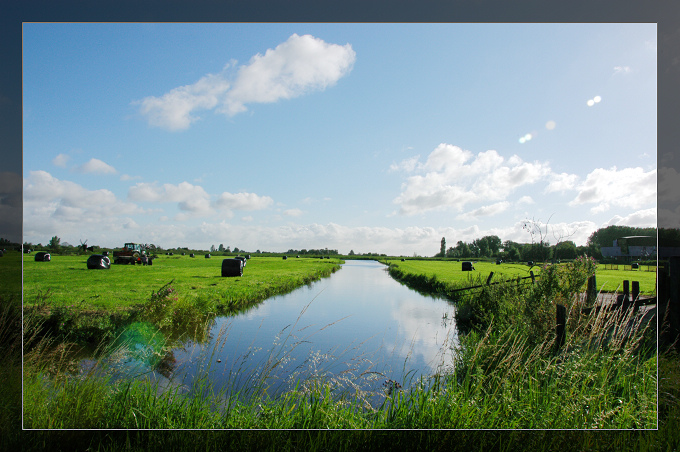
(638, 267)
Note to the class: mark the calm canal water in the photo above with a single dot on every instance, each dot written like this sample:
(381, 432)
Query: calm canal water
(357, 328)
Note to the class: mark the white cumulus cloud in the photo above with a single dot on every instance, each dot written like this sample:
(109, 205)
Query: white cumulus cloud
(295, 67)
(53, 206)
(452, 177)
(605, 188)
(189, 197)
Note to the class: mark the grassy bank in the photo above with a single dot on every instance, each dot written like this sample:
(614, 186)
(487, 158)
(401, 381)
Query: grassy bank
(85, 305)
(445, 277)
(505, 379)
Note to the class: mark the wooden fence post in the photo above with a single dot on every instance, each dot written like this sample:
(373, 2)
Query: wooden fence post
(533, 278)
(488, 280)
(635, 292)
(591, 294)
(561, 330)
(625, 303)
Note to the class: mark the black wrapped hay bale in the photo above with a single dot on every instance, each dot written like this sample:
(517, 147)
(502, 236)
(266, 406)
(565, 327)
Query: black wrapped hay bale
(42, 256)
(285, 257)
(207, 256)
(98, 261)
(232, 267)
(530, 263)
(467, 266)
(242, 259)
(192, 255)
(105, 253)
(247, 256)
(499, 262)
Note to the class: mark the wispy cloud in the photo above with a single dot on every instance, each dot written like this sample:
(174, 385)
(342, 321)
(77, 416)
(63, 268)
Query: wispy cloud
(61, 160)
(621, 70)
(96, 166)
(485, 211)
(243, 201)
(295, 67)
(292, 212)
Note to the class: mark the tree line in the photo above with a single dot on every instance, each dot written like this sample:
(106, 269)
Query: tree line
(491, 246)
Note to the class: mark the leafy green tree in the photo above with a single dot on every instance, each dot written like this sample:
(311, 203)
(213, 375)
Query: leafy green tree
(54, 243)
(220, 248)
(565, 250)
(442, 248)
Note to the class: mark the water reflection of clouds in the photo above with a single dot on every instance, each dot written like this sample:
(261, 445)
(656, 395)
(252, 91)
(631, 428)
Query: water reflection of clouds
(431, 339)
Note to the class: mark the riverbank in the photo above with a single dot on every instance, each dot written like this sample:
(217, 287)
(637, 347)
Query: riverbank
(77, 304)
(503, 382)
(447, 278)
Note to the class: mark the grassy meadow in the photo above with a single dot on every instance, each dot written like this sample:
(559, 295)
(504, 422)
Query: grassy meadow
(449, 274)
(82, 304)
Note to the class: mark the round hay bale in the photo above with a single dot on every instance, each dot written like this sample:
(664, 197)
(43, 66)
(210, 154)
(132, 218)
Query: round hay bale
(183, 254)
(530, 263)
(191, 255)
(207, 256)
(247, 256)
(42, 256)
(499, 261)
(105, 253)
(232, 267)
(242, 259)
(98, 262)
(285, 257)
(467, 266)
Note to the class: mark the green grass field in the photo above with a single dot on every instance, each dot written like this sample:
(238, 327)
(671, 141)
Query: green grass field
(450, 273)
(71, 283)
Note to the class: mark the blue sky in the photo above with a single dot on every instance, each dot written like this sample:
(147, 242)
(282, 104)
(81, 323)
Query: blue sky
(366, 137)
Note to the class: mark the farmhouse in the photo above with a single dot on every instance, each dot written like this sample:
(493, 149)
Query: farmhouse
(627, 248)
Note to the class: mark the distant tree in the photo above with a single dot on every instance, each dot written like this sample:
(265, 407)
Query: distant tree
(351, 252)
(442, 248)
(565, 250)
(228, 250)
(236, 250)
(54, 243)
(212, 248)
(220, 248)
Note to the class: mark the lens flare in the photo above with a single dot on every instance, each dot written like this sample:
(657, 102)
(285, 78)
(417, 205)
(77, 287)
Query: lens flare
(594, 101)
(550, 125)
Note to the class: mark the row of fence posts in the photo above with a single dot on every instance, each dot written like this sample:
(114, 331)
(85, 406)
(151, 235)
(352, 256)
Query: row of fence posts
(668, 306)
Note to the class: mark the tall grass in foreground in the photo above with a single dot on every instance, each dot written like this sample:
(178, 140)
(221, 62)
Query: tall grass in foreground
(602, 378)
